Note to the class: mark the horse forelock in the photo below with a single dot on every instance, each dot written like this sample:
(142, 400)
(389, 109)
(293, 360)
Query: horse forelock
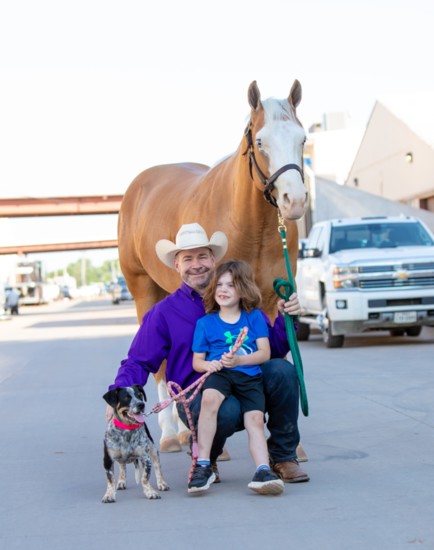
(279, 109)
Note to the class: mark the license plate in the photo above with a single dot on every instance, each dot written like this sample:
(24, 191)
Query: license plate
(405, 317)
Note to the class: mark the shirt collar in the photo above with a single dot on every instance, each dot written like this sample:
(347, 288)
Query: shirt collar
(191, 293)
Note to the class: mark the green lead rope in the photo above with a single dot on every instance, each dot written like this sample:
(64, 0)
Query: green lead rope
(284, 289)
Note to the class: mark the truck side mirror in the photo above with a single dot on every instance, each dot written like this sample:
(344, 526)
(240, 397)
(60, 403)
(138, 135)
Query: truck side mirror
(312, 253)
(301, 249)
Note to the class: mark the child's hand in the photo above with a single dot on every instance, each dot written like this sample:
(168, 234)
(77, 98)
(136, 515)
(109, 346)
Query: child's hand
(213, 366)
(229, 361)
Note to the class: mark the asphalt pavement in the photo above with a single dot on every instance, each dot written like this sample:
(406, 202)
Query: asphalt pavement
(369, 437)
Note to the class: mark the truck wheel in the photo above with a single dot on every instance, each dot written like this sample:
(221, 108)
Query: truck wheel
(332, 340)
(413, 331)
(303, 332)
(397, 332)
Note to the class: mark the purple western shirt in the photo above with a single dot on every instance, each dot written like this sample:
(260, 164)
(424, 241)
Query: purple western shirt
(167, 332)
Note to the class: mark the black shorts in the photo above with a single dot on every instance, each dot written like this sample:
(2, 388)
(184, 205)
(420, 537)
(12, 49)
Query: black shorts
(247, 389)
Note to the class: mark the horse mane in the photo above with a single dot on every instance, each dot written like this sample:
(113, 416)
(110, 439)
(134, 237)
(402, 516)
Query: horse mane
(220, 160)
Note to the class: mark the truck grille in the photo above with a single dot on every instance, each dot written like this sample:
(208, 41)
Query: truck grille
(408, 275)
(397, 283)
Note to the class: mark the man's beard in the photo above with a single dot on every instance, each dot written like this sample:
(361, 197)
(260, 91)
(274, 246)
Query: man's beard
(200, 286)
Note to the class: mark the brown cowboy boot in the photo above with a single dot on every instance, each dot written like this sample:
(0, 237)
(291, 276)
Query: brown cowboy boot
(290, 471)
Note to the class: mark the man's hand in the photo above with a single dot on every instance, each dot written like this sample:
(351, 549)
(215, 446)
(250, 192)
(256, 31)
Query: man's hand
(291, 307)
(108, 413)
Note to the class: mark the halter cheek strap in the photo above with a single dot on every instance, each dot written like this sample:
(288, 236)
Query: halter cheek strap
(267, 182)
(123, 426)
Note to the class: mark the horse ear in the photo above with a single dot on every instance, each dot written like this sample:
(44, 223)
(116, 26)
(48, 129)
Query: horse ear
(294, 97)
(254, 96)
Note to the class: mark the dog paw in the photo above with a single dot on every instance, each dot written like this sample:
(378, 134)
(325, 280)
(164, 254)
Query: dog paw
(107, 499)
(152, 495)
(121, 486)
(163, 486)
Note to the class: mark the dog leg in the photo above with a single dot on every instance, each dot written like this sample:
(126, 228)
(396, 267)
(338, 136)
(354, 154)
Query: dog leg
(122, 480)
(161, 483)
(137, 471)
(149, 491)
(110, 494)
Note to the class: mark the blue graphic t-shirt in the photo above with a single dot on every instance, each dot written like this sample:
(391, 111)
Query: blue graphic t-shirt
(215, 337)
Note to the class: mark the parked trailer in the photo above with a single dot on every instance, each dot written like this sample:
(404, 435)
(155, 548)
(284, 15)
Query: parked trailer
(31, 283)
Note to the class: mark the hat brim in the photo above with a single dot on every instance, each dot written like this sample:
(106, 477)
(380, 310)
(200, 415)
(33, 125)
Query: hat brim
(167, 250)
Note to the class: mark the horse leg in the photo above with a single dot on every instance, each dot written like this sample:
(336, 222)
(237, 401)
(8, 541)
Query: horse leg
(169, 433)
(301, 454)
(184, 432)
(145, 291)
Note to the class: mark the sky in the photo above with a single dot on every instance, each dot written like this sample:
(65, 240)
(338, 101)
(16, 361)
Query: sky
(95, 91)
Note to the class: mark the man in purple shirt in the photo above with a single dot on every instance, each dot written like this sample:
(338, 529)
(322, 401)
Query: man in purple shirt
(167, 331)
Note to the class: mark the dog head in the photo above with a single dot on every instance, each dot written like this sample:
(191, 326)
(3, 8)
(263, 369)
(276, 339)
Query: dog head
(128, 403)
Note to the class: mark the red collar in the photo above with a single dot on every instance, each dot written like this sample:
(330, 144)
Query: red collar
(123, 426)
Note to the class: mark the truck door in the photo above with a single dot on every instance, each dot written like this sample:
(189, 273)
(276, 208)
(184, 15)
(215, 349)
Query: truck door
(310, 270)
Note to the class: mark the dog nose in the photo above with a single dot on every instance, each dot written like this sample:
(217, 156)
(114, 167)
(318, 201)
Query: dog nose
(141, 407)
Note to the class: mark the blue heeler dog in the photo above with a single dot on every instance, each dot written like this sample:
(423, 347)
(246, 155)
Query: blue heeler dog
(127, 439)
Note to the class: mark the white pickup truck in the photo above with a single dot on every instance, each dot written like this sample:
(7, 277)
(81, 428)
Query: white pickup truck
(362, 274)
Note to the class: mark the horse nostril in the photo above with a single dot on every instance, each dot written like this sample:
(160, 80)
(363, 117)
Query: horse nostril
(286, 199)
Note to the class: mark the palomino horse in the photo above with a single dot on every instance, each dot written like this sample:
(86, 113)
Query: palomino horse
(228, 197)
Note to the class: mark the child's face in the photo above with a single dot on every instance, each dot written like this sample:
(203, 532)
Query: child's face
(226, 294)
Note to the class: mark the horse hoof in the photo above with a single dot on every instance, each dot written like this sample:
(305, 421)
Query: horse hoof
(184, 437)
(170, 445)
(224, 455)
(301, 455)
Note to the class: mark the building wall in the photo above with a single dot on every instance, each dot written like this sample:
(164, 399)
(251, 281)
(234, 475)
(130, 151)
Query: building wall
(382, 165)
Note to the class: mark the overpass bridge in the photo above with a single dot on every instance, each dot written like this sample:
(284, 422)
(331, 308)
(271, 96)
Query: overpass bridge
(331, 201)
(59, 206)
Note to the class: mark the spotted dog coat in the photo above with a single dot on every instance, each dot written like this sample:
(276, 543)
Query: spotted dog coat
(127, 439)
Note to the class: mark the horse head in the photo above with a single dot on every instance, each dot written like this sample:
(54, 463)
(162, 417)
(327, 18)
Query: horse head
(275, 139)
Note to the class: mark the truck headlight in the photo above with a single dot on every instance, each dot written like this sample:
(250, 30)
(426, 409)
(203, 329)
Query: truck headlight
(345, 277)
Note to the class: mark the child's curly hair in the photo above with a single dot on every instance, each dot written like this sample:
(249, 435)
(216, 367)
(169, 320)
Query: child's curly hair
(244, 282)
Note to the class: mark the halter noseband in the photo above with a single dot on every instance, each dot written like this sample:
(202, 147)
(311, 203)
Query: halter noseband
(267, 182)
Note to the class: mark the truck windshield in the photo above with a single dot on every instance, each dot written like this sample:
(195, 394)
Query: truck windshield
(379, 235)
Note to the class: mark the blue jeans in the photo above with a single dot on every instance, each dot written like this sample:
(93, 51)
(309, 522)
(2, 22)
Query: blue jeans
(281, 388)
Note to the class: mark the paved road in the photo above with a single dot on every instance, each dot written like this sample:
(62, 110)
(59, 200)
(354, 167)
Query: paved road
(369, 436)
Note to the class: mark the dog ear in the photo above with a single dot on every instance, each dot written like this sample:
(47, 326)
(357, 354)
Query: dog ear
(140, 389)
(111, 397)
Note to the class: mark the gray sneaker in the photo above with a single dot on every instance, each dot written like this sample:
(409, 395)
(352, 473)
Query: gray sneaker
(265, 482)
(201, 479)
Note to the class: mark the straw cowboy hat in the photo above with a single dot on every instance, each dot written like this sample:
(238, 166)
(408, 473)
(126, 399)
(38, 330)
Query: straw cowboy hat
(191, 235)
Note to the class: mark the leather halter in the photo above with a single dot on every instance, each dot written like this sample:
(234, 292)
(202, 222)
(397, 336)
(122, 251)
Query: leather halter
(267, 182)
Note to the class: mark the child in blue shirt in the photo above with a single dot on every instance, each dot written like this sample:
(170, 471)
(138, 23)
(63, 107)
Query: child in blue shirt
(231, 301)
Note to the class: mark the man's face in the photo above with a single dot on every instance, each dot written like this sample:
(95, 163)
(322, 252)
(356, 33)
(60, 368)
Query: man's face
(196, 267)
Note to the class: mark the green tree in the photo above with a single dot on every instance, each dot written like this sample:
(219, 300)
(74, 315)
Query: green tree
(85, 272)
